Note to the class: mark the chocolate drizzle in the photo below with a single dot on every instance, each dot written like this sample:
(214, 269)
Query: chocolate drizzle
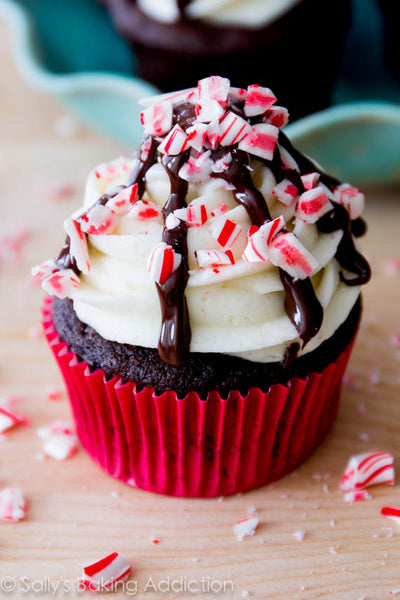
(182, 6)
(302, 306)
(65, 260)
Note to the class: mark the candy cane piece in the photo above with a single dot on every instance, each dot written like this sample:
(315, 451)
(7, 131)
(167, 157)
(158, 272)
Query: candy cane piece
(101, 575)
(61, 284)
(98, 220)
(12, 504)
(221, 209)
(171, 221)
(214, 134)
(59, 440)
(197, 135)
(214, 258)
(369, 468)
(8, 419)
(257, 249)
(194, 215)
(285, 192)
(214, 88)
(351, 198)
(277, 115)
(226, 232)
(312, 205)
(246, 527)
(258, 100)
(45, 269)
(163, 261)
(356, 496)
(288, 253)
(238, 94)
(157, 118)
(78, 245)
(232, 129)
(310, 181)
(175, 142)
(260, 141)
(222, 164)
(144, 210)
(123, 202)
(391, 512)
(197, 169)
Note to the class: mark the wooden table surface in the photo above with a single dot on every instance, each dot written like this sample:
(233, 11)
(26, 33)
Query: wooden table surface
(76, 513)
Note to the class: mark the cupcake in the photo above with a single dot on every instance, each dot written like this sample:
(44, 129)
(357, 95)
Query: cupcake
(275, 42)
(204, 304)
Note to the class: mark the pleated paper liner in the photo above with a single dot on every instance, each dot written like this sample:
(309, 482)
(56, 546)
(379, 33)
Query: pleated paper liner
(192, 447)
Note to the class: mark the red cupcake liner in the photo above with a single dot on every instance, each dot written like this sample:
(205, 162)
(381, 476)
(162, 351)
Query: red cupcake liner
(192, 447)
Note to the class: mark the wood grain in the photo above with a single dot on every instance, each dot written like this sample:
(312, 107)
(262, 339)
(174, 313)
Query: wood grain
(76, 513)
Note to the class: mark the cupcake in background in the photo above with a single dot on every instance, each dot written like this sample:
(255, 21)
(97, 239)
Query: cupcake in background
(207, 297)
(292, 46)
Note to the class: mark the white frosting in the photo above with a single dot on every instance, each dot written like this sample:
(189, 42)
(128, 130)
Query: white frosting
(244, 13)
(238, 310)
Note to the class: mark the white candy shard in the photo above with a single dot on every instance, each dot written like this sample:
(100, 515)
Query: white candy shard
(214, 258)
(285, 192)
(310, 180)
(171, 221)
(214, 88)
(197, 135)
(98, 220)
(246, 527)
(213, 134)
(45, 269)
(299, 535)
(288, 253)
(12, 504)
(175, 142)
(103, 574)
(144, 210)
(257, 249)
(194, 215)
(392, 513)
(163, 261)
(277, 115)
(260, 141)
(356, 496)
(222, 164)
(232, 129)
(197, 169)
(258, 100)
(351, 198)
(225, 232)
(8, 419)
(61, 284)
(78, 245)
(123, 202)
(59, 440)
(369, 468)
(312, 205)
(157, 118)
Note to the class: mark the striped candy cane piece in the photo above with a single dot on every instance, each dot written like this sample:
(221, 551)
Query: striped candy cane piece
(103, 574)
(157, 118)
(175, 142)
(214, 258)
(369, 468)
(226, 232)
(238, 93)
(222, 164)
(288, 253)
(59, 440)
(61, 284)
(99, 220)
(197, 135)
(310, 181)
(214, 134)
(78, 245)
(123, 202)
(356, 496)
(144, 210)
(257, 249)
(312, 205)
(285, 192)
(195, 215)
(277, 115)
(163, 261)
(212, 89)
(221, 209)
(197, 169)
(260, 141)
(391, 512)
(45, 269)
(9, 419)
(246, 527)
(351, 198)
(258, 100)
(232, 129)
(12, 504)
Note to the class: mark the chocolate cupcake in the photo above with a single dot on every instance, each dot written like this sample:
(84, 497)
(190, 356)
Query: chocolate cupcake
(207, 298)
(293, 46)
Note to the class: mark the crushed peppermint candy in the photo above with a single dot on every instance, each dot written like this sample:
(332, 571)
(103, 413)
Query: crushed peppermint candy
(356, 496)
(299, 535)
(145, 210)
(214, 258)
(287, 252)
(369, 468)
(313, 205)
(226, 232)
(59, 440)
(122, 202)
(104, 574)
(8, 418)
(351, 198)
(285, 192)
(175, 142)
(12, 504)
(258, 100)
(246, 527)
(163, 262)
(157, 118)
(98, 220)
(392, 513)
(195, 215)
(78, 244)
(260, 141)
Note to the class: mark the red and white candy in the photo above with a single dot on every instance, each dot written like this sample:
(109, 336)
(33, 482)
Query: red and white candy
(288, 253)
(246, 527)
(197, 135)
(144, 210)
(98, 220)
(260, 141)
(310, 181)
(277, 115)
(232, 129)
(78, 245)
(222, 164)
(356, 496)
(45, 269)
(12, 504)
(163, 261)
(9, 419)
(312, 205)
(214, 134)
(197, 169)
(369, 468)
(214, 258)
(285, 192)
(257, 249)
(351, 198)
(175, 142)
(123, 202)
(258, 100)
(59, 440)
(157, 118)
(213, 98)
(392, 513)
(105, 573)
(61, 284)
(195, 215)
(226, 232)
